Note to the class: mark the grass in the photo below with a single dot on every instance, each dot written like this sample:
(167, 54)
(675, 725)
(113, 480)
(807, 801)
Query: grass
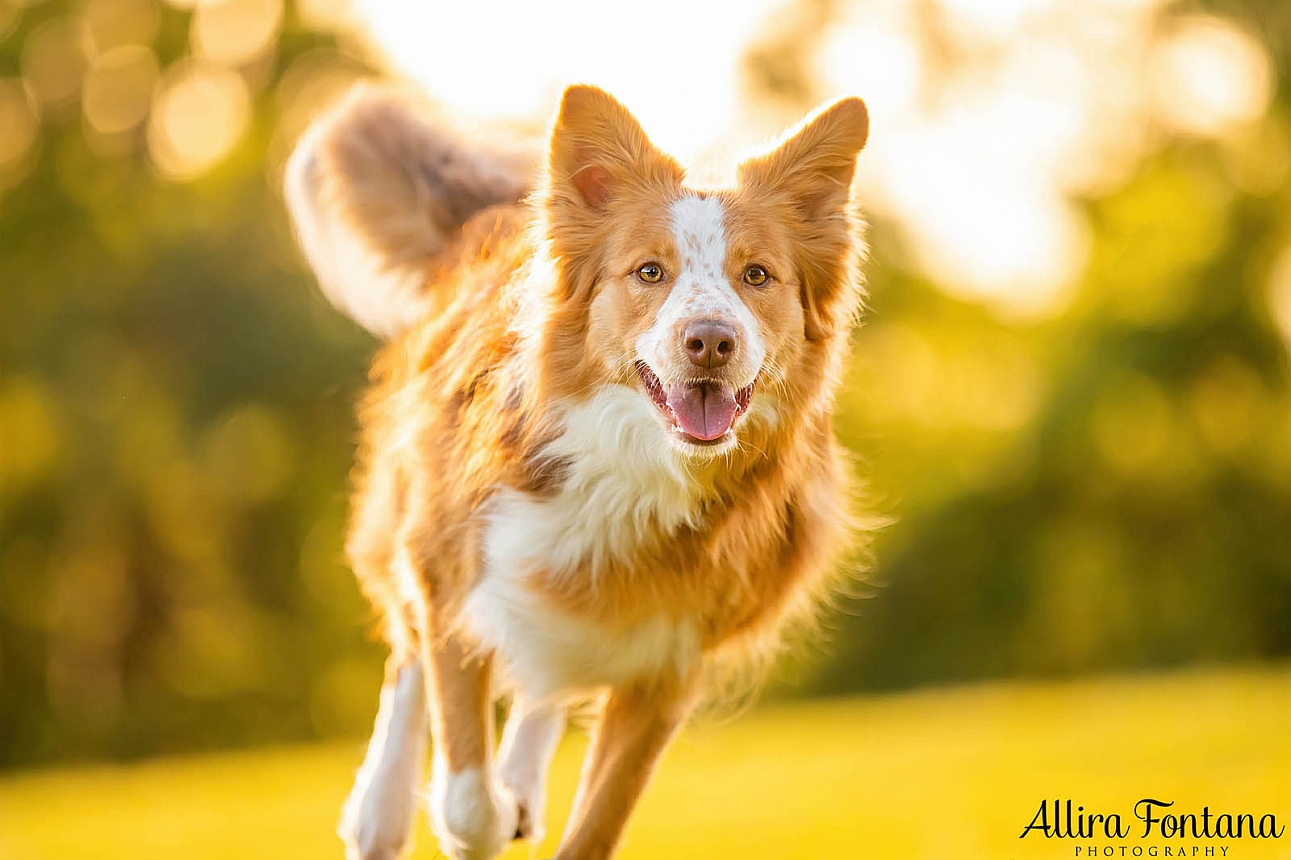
(945, 775)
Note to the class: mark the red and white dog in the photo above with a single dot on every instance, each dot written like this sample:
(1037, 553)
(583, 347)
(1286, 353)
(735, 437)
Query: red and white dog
(597, 455)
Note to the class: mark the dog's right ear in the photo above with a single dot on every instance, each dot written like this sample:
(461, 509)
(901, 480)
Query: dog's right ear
(598, 152)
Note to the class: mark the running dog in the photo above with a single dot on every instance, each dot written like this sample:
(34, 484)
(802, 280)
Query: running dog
(597, 456)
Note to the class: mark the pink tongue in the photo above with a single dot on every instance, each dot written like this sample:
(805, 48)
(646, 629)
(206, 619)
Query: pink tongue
(705, 411)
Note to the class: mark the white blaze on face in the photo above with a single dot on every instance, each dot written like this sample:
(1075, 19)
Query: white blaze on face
(701, 288)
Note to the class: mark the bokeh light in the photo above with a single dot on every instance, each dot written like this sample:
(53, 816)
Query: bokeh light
(18, 123)
(235, 32)
(53, 60)
(29, 426)
(119, 88)
(112, 24)
(1279, 293)
(201, 112)
(1209, 76)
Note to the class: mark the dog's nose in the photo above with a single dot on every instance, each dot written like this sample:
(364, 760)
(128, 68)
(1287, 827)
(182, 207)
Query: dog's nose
(709, 343)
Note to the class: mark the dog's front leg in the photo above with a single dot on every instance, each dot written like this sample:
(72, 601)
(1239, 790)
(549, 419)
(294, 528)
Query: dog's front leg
(636, 725)
(378, 814)
(473, 819)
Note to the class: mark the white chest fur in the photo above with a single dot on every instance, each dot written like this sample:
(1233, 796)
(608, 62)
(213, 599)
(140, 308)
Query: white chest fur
(624, 482)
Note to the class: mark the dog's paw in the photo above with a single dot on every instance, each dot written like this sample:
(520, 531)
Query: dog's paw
(473, 818)
(377, 818)
(368, 839)
(528, 803)
(528, 812)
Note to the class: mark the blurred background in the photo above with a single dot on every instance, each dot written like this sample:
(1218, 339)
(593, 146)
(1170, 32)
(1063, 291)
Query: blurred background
(1071, 392)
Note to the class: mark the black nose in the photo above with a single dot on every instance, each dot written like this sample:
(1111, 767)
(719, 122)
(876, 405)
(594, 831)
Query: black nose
(709, 343)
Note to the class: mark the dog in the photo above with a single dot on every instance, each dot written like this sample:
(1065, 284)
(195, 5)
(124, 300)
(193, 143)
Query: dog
(597, 457)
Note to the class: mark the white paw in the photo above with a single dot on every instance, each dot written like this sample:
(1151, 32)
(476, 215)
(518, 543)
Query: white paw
(372, 829)
(530, 803)
(473, 818)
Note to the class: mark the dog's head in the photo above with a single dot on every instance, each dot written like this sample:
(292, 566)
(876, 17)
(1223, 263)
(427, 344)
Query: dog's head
(704, 300)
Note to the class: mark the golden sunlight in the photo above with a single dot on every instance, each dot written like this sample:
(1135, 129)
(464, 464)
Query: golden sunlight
(683, 82)
(987, 118)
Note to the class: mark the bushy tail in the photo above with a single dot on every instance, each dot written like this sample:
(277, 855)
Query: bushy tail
(376, 191)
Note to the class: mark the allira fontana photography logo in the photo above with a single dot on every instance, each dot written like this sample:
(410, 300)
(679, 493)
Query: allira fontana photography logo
(1154, 828)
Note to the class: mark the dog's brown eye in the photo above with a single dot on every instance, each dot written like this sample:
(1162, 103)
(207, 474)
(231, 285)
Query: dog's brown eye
(756, 276)
(651, 273)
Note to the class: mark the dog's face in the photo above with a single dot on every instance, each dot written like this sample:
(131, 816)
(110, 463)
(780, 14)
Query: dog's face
(702, 300)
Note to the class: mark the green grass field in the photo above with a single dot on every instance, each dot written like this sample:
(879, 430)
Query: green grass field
(945, 775)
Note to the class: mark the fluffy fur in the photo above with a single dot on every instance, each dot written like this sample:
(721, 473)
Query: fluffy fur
(597, 451)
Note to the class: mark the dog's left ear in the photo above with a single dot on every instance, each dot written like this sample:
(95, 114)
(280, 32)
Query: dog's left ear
(815, 162)
(810, 173)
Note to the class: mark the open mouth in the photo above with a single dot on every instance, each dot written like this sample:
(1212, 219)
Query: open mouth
(702, 411)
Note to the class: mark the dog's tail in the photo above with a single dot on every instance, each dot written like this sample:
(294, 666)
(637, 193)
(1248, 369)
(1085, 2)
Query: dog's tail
(376, 192)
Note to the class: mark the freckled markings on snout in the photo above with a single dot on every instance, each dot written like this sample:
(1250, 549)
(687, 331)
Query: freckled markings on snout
(701, 288)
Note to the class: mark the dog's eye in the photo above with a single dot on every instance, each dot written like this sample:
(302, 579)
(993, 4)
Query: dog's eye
(651, 273)
(756, 276)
